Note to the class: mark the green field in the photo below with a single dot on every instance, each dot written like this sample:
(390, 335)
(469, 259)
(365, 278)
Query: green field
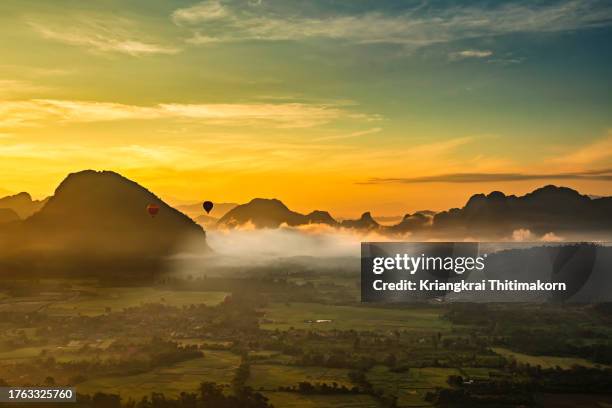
(21, 353)
(283, 316)
(117, 299)
(272, 376)
(544, 361)
(410, 387)
(216, 366)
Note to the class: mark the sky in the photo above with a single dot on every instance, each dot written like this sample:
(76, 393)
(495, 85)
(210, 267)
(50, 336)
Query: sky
(346, 106)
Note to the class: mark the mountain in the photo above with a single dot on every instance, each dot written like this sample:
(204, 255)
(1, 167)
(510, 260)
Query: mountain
(320, 217)
(412, 223)
(547, 209)
(8, 215)
(388, 219)
(428, 213)
(271, 213)
(550, 209)
(102, 216)
(22, 204)
(365, 222)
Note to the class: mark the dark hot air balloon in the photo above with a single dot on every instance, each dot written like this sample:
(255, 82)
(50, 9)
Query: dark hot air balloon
(152, 209)
(208, 205)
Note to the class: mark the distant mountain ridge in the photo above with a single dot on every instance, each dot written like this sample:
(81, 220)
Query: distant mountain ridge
(22, 204)
(496, 215)
(546, 209)
(271, 213)
(365, 222)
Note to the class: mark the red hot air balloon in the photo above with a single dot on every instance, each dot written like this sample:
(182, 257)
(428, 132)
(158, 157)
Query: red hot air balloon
(152, 209)
(208, 205)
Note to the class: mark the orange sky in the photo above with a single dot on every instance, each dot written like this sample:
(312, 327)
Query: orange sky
(352, 112)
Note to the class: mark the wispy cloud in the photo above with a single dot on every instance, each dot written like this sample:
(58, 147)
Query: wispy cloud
(351, 135)
(205, 11)
(136, 155)
(602, 174)
(595, 152)
(289, 115)
(13, 87)
(214, 21)
(470, 54)
(103, 35)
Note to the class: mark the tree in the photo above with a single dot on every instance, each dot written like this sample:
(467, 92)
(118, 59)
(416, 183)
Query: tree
(101, 400)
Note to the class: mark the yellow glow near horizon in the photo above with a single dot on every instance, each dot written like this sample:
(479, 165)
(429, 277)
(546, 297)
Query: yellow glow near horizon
(236, 165)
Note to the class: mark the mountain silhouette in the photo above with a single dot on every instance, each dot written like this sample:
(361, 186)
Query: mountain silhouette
(22, 204)
(547, 209)
(412, 222)
(8, 215)
(97, 216)
(559, 210)
(271, 213)
(365, 222)
(320, 217)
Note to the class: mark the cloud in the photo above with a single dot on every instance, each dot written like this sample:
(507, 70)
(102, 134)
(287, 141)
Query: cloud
(350, 135)
(471, 54)
(313, 240)
(11, 88)
(598, 151)
(551, 237)
(206, 11)
(65, 155)
(525, 235)
(35, 151)
(102, 35)
(522, 235)
(284, 115)
(602, 174)
(212, 21)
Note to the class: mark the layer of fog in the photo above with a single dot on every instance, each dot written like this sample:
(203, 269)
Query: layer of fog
(310, 247)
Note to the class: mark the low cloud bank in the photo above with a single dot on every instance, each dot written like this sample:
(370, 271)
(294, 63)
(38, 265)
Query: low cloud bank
(314, 247)
(314, 240)
(310, 245)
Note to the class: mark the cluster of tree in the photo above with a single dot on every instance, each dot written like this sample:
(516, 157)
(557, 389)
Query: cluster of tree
(512, 316)
(305, 387)
(552, 344)
(242, 374)
(210, 395)
(337, 358)
(520, 390)
(502, 395)
(537, 330)
(261, 282)
(604, 310)
(146, 356)
(575, 379)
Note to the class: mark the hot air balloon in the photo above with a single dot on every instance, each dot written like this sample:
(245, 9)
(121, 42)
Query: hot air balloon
(152, 209)
(208, 205)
